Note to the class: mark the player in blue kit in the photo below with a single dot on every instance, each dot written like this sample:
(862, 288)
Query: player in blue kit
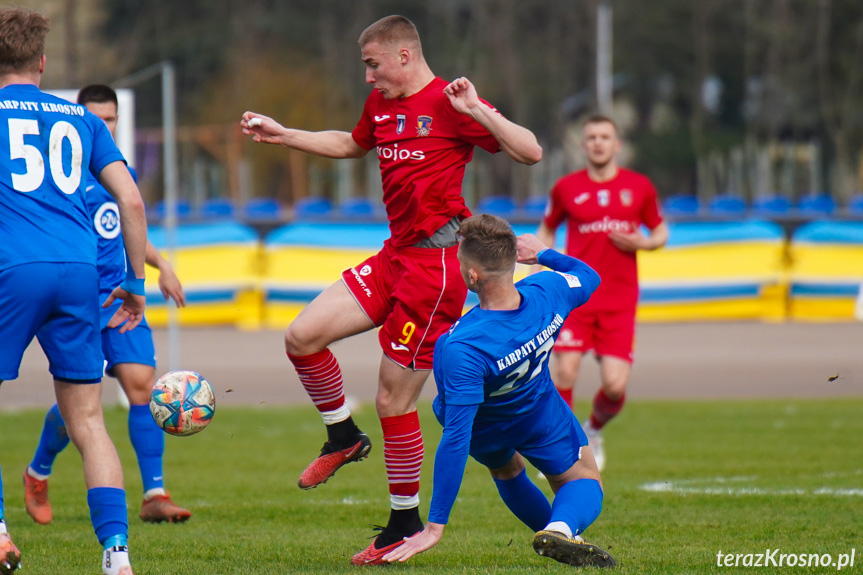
(49, 286)
(496, 400)
(130, 357)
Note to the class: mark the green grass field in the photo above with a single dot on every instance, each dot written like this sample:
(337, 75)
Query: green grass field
(684, 481)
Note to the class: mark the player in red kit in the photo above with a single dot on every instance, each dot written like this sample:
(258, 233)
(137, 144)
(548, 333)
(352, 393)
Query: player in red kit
(604, 207)
(423, 130)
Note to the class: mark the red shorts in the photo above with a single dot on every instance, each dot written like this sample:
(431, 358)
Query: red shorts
(606, 332)
(413, 294)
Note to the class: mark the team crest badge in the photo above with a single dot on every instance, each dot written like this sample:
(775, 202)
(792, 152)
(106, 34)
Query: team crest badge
(366, 270)
(626, 197)
(424, 125)
(400, 123)
(603, 197)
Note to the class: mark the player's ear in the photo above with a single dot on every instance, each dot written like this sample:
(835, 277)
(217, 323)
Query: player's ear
(474, 277)
(404, 56)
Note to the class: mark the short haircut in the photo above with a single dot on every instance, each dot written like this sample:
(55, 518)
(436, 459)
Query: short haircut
(97, 94)
(22, 40)
(389, 30)
(600, 119)
(489, 242)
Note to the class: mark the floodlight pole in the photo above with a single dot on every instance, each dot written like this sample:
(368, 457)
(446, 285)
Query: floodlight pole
(171, 181)
(604, 50)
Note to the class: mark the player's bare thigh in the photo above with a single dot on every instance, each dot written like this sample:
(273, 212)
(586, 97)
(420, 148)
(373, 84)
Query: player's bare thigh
(137, 380)
(398, 388)
(331, 316)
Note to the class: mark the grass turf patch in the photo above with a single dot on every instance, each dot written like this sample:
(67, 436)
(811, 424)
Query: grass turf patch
(684, 481)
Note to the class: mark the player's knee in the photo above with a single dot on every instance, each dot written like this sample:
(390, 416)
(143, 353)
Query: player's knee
(299, 341)
(564, 376)
(614, 389)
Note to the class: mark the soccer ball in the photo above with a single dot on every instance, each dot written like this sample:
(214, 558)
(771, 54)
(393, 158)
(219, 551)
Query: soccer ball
(182, 402)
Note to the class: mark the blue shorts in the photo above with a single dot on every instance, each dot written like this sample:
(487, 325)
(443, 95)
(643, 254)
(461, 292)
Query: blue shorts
(550, 437)
(134, 346)
(59, 304)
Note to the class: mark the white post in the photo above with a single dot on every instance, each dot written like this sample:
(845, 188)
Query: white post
(169, 130)
(604, 50)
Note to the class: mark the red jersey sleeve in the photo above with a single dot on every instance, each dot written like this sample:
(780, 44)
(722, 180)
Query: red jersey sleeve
(554, 212)
(472, 132)
(650, 214)
(364, 133)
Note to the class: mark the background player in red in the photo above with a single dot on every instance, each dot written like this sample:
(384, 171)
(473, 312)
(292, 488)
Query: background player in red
(604, 207)
(424, 130)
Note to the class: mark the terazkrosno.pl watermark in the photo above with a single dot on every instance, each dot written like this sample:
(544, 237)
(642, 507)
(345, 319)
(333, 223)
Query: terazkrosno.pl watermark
(776, 558)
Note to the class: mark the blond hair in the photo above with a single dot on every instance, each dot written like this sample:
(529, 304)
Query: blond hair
(391, 30)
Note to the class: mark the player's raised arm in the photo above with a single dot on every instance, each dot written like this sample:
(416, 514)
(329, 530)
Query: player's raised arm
(532, 251)
(518, 142)
(329, 144)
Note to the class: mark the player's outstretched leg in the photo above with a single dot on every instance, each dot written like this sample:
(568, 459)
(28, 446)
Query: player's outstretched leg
(322, 379)
(403, 455)
(53, 440)
(149, 444)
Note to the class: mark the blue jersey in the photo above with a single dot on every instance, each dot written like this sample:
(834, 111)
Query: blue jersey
(491, 369)
(105, 218)
(498, 360)
(47, 149)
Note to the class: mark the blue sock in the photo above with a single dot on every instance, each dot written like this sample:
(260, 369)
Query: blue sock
(108, 512)
(149, 443)
(577, 504)
(54, 439)
(525, 500)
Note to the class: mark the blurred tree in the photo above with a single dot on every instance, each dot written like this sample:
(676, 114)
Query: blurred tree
(703, 77)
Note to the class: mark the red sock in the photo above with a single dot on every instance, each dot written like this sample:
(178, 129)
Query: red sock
(322, 379)
(403, 455)
(604, 409)
(566, 394)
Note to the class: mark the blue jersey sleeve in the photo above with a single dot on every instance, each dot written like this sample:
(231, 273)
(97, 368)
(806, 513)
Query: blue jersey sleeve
(462, 374)
(450, 460)
(576, 277)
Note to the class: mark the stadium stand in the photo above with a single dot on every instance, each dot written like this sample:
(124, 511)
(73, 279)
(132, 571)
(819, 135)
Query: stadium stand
(217, 209)
(312, 208)
(680, 205)
(726, 205)
(501, 206)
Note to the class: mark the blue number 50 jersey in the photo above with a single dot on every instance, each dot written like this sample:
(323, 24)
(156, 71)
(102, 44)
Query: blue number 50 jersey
(47, 149)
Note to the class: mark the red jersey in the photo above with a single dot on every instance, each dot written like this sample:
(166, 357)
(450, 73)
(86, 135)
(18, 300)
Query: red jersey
(423, 145)
(592, 210)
